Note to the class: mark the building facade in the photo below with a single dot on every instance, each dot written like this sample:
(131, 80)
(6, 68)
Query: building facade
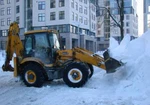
(75, 19)
(103, 25)
(108, 26)
(146, 15)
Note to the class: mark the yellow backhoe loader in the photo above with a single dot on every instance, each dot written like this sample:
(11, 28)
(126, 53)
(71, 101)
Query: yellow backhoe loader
(41, 59)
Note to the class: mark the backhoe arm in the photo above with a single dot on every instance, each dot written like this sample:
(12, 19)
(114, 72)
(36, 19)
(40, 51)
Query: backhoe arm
(14, 45)
(79, 54)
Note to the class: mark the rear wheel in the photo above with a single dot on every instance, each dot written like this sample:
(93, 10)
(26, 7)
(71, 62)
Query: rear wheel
(75, 75)
(33, 76)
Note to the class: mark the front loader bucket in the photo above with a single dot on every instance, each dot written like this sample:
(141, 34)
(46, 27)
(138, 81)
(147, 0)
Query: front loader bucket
(110, 63)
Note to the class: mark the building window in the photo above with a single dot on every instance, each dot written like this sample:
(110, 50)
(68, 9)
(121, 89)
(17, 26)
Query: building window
(29, 3)
(72, 15)
(2, 22)
(8, 10)
(72, 29)
(128, 31)
(53, 27)
(72, 3)
(61, 3)
(8, 21)
(85, 21)
(62, 28)
(2, 11)
(17, 0)
(52, 16)
(18, 19)
(8, 1)
(41, 17)
(81, 19)
(61, 15)
(80, 8)
(41, 5)
(76, 17)
(76, 5)
(85, 10)
(127, 24)
(1, 2)
(52, 4)
(18, 9)
(4, 32)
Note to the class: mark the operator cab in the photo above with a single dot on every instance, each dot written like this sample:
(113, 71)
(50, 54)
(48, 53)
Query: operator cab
(41, 44)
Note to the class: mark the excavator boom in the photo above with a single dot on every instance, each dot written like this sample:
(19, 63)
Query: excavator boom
(14, 45)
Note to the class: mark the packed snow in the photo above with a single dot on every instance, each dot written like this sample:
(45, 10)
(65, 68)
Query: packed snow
(129, 85)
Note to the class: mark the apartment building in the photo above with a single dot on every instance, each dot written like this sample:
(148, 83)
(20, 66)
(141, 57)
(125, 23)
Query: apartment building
(146, 15)
(75, 19)
(107, 27)
(103, 24)
(10, 11)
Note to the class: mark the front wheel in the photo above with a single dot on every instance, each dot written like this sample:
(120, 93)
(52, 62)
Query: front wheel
(75, 75)
(33, 76)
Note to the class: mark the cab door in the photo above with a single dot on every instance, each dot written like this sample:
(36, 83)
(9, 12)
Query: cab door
(41, 47)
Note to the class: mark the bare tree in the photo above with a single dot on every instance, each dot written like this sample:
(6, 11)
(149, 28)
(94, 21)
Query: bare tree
(120, 8)
(120, 4)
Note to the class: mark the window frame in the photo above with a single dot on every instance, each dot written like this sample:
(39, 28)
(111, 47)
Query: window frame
(8, 10)
(8, 21)
(41, 17)
(2, 11)
(41, 5)
(52, 15)
(18, 19)
(2, 22)
(52, 4)
(4, 32)
(61, 3)
(61, 15)
(17, 9)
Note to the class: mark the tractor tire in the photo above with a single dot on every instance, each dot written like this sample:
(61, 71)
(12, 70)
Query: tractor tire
(91, 70)
(33, 76)
(75, 75)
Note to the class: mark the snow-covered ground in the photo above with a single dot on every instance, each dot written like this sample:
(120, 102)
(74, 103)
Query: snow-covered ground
(130, 85)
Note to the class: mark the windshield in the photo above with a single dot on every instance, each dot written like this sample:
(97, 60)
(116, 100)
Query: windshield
(54, 41)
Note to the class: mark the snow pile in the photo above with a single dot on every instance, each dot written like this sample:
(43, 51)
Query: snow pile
(135, 73)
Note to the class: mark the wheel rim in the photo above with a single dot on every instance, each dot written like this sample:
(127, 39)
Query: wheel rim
(30, 77)
(75, 75)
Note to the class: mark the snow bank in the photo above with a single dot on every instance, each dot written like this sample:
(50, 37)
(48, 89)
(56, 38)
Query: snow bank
(135, 73)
